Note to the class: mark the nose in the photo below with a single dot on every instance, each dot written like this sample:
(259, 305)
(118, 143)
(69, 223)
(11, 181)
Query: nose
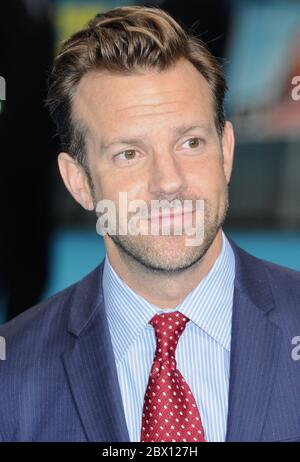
(167, 178)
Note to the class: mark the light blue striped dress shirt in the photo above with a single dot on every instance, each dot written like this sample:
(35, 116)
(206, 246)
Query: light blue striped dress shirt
(202, 353)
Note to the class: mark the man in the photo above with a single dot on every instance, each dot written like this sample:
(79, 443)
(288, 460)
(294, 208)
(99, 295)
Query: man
(163, 341)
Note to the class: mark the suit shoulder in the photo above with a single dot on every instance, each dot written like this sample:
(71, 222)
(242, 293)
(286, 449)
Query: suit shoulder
(287, 277)
(275, 272)
(285, 286)
(32, 317)
(261, 277)
(49, 315)
(268, 284)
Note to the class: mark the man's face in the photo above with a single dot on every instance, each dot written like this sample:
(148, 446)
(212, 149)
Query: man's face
(153, 136)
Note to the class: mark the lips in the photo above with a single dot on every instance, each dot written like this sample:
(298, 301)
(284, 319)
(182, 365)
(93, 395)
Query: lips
(169, 215)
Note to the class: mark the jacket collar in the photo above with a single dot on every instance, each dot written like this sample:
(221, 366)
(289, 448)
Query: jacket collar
(87, 295)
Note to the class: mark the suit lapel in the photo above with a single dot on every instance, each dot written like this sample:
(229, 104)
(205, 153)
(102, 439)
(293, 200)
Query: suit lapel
(255, 347)
(90, 365)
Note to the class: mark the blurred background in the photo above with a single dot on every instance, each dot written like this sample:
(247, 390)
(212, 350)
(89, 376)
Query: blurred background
(47, 241)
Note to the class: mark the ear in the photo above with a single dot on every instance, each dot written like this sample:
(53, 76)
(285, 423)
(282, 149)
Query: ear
(75, 180)
(228, 149)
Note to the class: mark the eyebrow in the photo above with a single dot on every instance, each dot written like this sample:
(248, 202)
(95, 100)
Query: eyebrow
(178, 131)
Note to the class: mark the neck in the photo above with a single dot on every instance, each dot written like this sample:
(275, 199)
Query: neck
(170, 290)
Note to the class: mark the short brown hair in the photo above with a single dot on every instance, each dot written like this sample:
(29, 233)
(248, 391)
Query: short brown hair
(124, 40)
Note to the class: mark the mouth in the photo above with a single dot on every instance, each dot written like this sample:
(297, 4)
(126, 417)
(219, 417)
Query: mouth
(170, 216)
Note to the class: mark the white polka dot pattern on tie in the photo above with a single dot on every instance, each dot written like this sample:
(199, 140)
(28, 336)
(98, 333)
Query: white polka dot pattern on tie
(170, 412)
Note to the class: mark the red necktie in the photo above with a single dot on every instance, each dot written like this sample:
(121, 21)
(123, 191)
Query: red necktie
(170, 411)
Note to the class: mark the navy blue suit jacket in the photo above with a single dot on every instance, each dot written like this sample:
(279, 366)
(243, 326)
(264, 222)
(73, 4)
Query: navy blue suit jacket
(59, 380)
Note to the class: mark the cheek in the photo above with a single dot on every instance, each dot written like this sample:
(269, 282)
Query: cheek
(209, 180)
(132, 187)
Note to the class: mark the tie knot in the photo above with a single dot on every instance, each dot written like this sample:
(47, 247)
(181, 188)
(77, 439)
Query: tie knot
(168, 328)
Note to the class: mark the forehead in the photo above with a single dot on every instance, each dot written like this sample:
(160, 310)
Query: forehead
(105, 101)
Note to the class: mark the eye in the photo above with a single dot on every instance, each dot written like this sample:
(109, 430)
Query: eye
(193, 143)
(129, 154)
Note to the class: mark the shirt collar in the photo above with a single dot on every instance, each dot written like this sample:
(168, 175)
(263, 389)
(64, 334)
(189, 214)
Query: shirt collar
(208, 305)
